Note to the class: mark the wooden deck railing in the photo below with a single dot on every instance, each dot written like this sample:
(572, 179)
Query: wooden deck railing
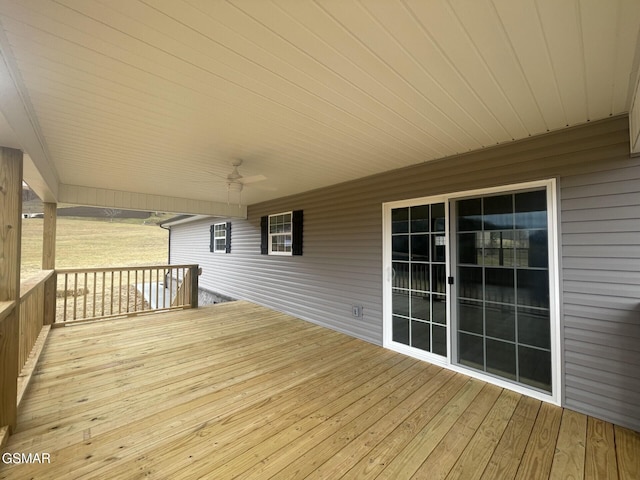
(32, 331)
(34, 325)
(32, 319)
(8, 369)
(64, 296)
(92, 293)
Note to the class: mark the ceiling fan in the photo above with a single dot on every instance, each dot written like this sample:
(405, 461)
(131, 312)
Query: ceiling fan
(236, 181)
(235, 178)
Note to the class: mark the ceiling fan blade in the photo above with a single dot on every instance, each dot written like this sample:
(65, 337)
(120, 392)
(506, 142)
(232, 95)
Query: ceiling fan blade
(252, 179)
(264, 189)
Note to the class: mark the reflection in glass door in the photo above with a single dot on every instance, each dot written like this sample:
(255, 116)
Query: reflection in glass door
(503, 308)
(419, 302)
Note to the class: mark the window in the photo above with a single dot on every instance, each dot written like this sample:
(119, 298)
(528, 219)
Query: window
(282, 234)
(220, 238)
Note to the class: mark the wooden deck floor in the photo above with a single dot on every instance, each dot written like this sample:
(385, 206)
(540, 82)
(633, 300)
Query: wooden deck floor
(236, 390)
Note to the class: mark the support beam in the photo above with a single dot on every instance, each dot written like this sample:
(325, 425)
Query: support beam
(49, 236)
(101, 197)
(633, 100)
(194, 274)
(634, 122)
(49, 261)
(10, 238)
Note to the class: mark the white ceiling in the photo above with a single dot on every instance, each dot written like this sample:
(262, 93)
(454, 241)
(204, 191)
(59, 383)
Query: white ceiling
(159, 97)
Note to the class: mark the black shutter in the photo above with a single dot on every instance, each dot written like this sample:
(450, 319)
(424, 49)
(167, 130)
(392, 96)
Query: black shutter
(296, 248)
(227, 248)
(211, 238)
(264, 235)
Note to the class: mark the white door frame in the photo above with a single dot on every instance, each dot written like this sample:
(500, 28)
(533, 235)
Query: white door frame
(554, 285)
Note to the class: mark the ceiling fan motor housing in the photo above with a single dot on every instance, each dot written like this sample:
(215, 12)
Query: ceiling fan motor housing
(234, 186)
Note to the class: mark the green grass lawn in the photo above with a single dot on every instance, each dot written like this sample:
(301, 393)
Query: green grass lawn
(94, 243)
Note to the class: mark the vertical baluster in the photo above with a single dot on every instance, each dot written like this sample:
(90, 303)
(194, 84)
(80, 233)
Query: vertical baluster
(75, 294)
(164, 288)
(161, 288)
(184, 287)
(135, 295)
(104, 281)
(85, 293)
(170, 286)
(112, 293)
(177, 292)
(66, 287)
(142, 291)
(150, 286)
(128, 289)
(95, 289)
(120, 291)
(143, 298)
(157, 288)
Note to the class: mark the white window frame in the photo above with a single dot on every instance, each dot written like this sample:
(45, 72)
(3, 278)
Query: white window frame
(275, 234)
(216, 237)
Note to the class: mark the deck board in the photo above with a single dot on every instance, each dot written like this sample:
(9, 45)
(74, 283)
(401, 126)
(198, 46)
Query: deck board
(439, 463)
(628, 453)
(237, 390)
(476, 456)
(506, 457)
(600, 451)
(569, 458)
(413, 450)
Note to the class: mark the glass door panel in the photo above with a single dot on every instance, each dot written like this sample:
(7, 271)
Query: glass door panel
(502, 302)
(418, 257)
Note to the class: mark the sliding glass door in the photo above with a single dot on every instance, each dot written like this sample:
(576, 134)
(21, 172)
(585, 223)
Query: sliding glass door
(502, 292)
(470, 283)
(418, 256)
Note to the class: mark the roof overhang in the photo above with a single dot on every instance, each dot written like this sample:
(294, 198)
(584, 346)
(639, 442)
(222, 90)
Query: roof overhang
(140, 106)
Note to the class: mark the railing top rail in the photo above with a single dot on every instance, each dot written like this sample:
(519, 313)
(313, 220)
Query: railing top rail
(31, 283)
(6, 307)
(121, 269)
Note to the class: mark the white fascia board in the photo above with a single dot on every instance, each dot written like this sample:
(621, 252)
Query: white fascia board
(102, 197)
(181, 221)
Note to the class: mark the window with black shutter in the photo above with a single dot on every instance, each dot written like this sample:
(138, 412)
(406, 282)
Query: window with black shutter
(220, 238)
(281, 234)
